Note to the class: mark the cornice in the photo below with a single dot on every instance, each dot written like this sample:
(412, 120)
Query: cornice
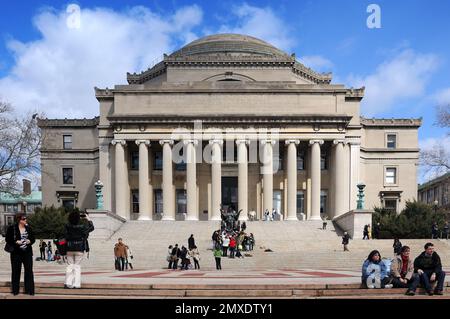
(68, 122)
(405, 122)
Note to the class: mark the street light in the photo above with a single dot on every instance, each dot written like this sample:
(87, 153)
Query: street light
(436, 205)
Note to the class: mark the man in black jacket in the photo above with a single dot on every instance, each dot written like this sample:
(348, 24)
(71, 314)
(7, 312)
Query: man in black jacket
(428, 266)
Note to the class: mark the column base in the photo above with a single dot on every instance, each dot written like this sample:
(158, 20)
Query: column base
(169, 218)
(144, 218)
(192, 218)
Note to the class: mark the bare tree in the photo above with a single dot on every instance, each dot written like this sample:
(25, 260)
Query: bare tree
(20, 140)
(436, 159)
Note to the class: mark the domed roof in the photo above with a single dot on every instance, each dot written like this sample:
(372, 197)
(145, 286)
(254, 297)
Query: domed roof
(229, 44)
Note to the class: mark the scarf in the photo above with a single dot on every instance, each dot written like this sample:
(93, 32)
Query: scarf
(404, 264)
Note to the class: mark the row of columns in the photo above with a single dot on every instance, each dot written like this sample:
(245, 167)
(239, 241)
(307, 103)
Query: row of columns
(216, 176)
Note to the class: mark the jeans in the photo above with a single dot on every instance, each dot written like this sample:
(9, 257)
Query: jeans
(121, 263)
(425, 280)
(218, 266)
(412, 284)
(17, 259)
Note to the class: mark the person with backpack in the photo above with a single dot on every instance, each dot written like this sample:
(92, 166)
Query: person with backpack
(76, 232)
(402, 272)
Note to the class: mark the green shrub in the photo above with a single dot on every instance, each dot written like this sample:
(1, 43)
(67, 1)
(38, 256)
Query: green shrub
(48, 222)
(414, 221)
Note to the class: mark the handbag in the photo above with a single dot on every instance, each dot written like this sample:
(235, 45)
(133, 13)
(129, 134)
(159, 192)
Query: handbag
(8, 247)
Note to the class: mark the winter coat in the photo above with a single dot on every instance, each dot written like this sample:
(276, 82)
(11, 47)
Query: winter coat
(365, 274)
(432, 263)
(396, 268)
(120, 250)
(76, 235)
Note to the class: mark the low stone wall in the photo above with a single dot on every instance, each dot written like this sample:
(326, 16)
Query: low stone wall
(105, 223)
(353, 222)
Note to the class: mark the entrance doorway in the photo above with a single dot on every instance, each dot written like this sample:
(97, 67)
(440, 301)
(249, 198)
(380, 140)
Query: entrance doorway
(230, 192)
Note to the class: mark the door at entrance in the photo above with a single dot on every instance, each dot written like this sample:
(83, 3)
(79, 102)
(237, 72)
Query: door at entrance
(230, 192)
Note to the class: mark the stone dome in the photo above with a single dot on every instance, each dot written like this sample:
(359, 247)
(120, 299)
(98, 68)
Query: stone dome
(230, 44)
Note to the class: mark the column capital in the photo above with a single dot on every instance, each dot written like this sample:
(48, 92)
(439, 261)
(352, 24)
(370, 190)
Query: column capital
(220, 142)
(267, 141)
(312, 142)
(123, 142)
(336, 142)
(242, 141)
(287, 142)
(186, 142)
(162, 142)
(146, 142)
(353, 142)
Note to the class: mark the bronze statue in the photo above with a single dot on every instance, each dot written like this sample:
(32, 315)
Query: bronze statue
(229, 218)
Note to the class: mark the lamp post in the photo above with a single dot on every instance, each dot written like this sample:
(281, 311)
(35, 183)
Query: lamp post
(98, 193)
(435, 205)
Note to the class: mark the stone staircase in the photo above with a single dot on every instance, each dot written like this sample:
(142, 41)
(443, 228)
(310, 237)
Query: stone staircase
(296, 245)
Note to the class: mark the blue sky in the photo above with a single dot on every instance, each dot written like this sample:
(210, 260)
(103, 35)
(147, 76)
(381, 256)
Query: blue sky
(405, 65)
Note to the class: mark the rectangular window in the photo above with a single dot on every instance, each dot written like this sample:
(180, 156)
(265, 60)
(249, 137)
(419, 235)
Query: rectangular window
(391, 141)
(134, 160)
(301, 161)
(181, 201)
(391, 205)
(9, 208)
(277, 203)
(135, 200)
(68, 204)
(300, 202)
(16, 208)
(67, 142)
(391, 175)
(67, 175)
(158, 201)
(323, 162)
(323, 202)
(158, 160)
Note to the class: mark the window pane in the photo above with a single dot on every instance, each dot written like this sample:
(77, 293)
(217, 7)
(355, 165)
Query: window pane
(300, 162)
(181, 201)
(391, 141)
(391, 204)
(323, 162)
(391, 175)
(67, 176)
(158, 162)
(67, 141)
(300, 202)
(134, 160)
(158, 201)
(323, 202)
(135, 201)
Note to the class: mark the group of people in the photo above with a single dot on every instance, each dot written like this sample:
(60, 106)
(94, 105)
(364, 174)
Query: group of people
(20, 238)
(231, 244)
(123, 257)
(47, 253)
(367, 232)
(435, 231)
(183, 254)
(271, 216)
(403, 271)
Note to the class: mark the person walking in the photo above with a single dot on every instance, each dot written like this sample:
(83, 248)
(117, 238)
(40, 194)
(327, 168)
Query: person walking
(217, 256)
(169, 257)
(42, 246)
(369, 231)
(196, 256)
(76, 232)
(434, 230)
(345, 240)
(225, 244)
(20, 236)
(232, 246)
(191, 242)
(120, 253)
(175, 255)
(129, 261)
(365, 232)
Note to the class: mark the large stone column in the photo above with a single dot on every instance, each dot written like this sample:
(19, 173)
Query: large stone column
(339, 178)
(216, 179)
(167, 181)
(121, 178)
(145, 212)
(267, 172)
(242, 178)
(354, 172)
(315, 178)
(292, 179)
(191, 180)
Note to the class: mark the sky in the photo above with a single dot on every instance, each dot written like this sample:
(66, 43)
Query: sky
(52, 55)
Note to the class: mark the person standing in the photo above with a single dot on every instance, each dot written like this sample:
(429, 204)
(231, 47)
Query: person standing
(217, 256)
(428, 266)
(446, 229)
(196, 256)
(366, 232)
(434, 230)
(397, 246)
(232, 246)
(169, 256)
(49, 251)
(191, 242)
(76, 233)
(225, 244)
(345, 240)
(369, 231)
(175, 255)
(120, 253)
(21, 237)
(324, 224)
(42, 246)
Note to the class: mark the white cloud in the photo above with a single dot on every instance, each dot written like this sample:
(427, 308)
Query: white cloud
(261, 23)
(442, 97)
(317, 63)
(57, 73)
(403, 76)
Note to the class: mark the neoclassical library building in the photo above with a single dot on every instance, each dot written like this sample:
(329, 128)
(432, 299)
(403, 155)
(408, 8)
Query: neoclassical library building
(229, 120)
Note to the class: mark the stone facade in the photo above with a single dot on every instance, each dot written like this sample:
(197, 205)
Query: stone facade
(261, 131)
(436, 192)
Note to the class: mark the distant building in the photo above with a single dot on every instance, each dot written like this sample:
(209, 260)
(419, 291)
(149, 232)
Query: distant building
(11, 204)
(436, 191)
